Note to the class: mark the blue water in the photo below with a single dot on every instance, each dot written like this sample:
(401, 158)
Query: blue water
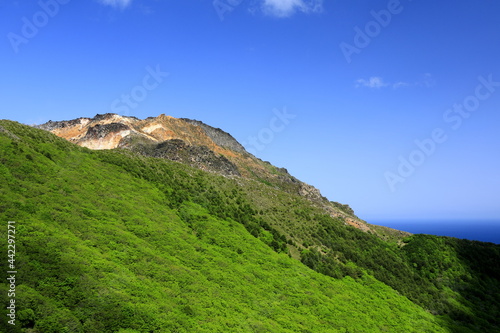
(485, 231)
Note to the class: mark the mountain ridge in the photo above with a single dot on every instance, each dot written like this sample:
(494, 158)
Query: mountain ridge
(200, 145)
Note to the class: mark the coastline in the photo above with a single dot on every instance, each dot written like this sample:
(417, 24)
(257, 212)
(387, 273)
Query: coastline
(475, 230)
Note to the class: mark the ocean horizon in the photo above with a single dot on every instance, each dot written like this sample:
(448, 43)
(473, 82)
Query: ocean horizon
(484, 231)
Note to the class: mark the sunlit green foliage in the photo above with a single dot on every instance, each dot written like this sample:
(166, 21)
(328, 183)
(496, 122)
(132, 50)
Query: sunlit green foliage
(108, 241)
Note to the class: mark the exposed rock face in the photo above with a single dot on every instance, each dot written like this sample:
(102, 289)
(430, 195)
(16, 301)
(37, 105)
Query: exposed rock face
(102, 132)
(107, 136)
(187, 141)
(220, 137)
(310, 192)
(196, 156)
(190, 142)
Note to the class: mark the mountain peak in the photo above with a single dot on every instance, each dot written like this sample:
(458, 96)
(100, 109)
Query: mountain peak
(102, 131)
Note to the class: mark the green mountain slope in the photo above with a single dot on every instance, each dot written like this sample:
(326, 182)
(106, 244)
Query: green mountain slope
(108, 241)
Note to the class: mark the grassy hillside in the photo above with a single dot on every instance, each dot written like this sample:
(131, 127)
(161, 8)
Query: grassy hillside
(108, 241)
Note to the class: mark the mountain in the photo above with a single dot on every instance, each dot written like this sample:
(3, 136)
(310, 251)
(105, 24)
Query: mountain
(199, 145)
(124, 240)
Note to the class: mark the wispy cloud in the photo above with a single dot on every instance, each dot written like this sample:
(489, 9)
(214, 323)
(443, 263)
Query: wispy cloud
(376, 82)
(426, 81)
(116, 3)
(146, 10)
(372, 82)
(400, 84)
(286, 8)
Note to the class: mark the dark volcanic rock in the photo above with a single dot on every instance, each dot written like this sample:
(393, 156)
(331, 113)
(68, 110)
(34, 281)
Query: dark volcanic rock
(53, 125)
(177, 150)
(198, 156)
(101, 131)
(107, 116)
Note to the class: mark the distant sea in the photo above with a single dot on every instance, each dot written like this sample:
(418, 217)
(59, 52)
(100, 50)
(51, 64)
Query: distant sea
(485, 231)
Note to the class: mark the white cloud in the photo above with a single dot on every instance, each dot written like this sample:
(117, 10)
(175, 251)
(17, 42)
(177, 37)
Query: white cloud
(116, 3)
(377, 82)
(286, 8)
(400, 84)
(372, 82)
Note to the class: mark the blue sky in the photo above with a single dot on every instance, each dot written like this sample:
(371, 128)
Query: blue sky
(392, 107)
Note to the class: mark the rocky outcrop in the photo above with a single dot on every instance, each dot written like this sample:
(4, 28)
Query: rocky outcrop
(187, 141)
(310, 192)
(220, 137)
(196, 156)
(102, 131)
(57, 125)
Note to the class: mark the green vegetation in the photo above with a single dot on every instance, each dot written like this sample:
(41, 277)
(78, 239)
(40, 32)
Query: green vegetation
(110, 241)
